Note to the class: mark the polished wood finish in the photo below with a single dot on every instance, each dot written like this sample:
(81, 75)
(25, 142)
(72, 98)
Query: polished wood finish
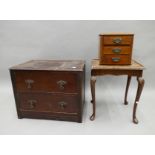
(49, 89)
(135, 69)
(118, 46)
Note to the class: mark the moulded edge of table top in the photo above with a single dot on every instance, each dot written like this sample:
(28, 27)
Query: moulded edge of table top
(134, 66)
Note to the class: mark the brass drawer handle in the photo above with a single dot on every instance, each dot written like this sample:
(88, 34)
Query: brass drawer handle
(116, 50)
(29, 83)
(117, 40)
(32, 104)
(116, 59)
(62, 104)
(62, 84)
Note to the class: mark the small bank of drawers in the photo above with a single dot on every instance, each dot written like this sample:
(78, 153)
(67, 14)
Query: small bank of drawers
(116, 49)
(49, 94)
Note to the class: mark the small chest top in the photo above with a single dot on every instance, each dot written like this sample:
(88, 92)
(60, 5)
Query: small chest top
(51, 65)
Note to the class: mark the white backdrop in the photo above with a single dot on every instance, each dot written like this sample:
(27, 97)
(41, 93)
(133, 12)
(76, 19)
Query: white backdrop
(21, 41)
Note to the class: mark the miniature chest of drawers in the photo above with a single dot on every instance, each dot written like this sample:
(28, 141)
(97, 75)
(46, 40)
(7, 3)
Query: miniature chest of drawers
(49, 89)
(116, 49)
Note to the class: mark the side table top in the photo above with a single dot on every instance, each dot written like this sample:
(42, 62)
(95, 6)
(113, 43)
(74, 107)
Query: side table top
(134, 66)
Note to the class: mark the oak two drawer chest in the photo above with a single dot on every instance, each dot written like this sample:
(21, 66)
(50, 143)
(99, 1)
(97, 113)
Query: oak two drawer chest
(49, 89)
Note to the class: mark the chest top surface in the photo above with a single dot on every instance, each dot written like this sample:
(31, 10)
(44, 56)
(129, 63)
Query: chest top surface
(51, 65)
(134, 66)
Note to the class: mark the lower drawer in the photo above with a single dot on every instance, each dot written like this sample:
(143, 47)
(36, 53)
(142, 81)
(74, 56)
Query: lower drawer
(49, 103)
(111, 59)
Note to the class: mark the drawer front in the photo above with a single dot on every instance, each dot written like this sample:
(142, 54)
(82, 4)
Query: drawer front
(40, 81)
(116, 50)
(116, 59)
(117, 40)
(56, 104)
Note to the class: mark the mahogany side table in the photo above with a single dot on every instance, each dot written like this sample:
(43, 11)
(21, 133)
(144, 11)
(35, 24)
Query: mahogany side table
(135, 69)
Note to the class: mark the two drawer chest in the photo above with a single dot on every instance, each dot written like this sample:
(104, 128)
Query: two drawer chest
(115, 49)
(49, 89)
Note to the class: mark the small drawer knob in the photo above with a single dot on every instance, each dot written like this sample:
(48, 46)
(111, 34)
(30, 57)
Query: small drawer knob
(61, 84)
(117, 40)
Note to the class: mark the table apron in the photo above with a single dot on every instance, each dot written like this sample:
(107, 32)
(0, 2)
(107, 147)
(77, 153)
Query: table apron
(98, 72)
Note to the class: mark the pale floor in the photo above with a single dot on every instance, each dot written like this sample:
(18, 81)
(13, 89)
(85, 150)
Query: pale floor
(112, 116)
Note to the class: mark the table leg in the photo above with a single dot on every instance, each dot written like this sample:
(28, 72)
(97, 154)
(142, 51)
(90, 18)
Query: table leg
(126, 91)
(92, 85)
(139, 91)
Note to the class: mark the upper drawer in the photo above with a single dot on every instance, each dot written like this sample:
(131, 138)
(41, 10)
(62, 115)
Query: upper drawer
(117, 39)
(117, 49)
(46, 81)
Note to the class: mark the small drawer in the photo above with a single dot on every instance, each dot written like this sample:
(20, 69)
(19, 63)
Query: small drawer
(57, 104)
(40, 81)
(116, 59)
(116, 49)
(117, 39)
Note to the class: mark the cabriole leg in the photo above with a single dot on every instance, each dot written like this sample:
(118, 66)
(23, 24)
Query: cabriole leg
(92, 85)
(139, 91)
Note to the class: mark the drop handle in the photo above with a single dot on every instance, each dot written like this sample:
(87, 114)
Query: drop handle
(117, 40)
(32, 104)
(62, 104)
(29, 83)
(116, 50)
(117, 59)
(61, 84)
